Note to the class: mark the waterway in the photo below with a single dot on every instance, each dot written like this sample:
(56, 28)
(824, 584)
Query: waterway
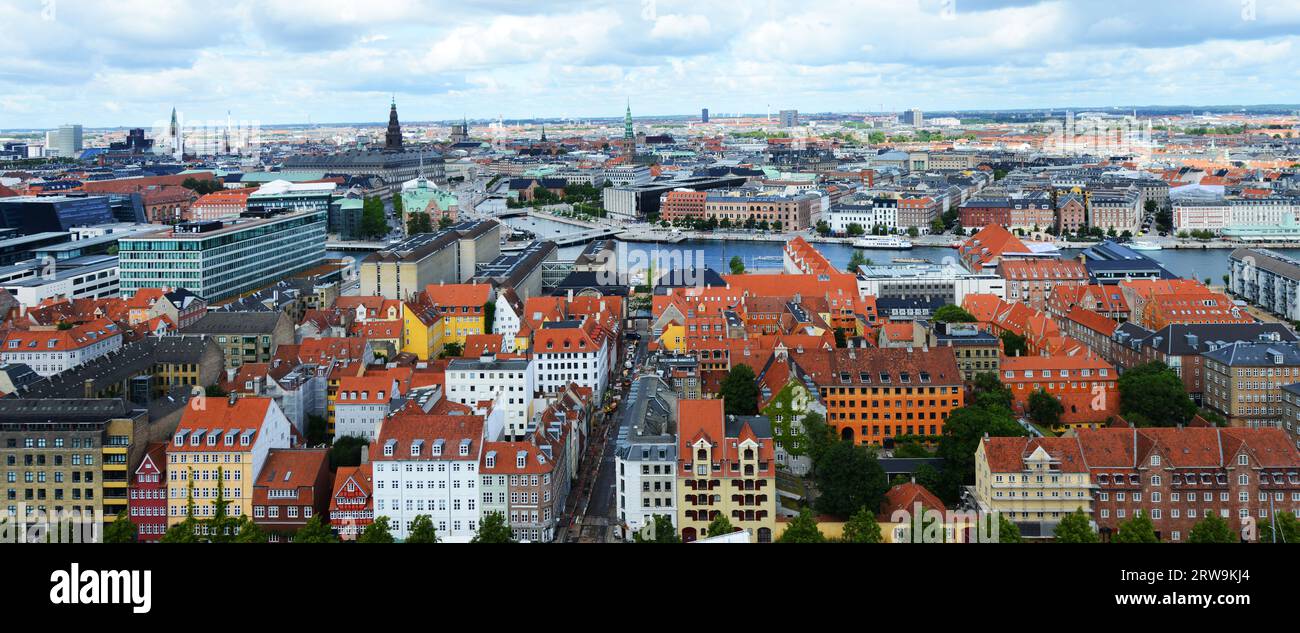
(759, 256)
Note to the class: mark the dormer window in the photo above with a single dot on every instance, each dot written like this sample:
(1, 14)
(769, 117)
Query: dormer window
(1155, 460)
(464, 448)
(389, 447)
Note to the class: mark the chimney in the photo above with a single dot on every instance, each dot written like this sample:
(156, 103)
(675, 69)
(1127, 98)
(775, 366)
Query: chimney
(230, 374)
(570, 295)
(365, 455)
(233, 398)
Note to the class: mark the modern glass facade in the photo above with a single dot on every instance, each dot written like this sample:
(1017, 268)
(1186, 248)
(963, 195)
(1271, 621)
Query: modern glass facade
(241, 257)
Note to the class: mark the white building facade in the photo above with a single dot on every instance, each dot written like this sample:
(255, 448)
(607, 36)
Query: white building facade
(428, 465)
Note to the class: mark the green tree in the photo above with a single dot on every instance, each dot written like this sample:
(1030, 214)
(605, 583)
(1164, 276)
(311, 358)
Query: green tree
(374, 220)
(1212, 529)
(489, 316)
(823, 229)
(862, 528)
(663, 531)
(720, 526)
(378, 532)
(953, 314)
(452, 350)
(1138, 529)
(988, 390)
(1153, 395)
(493, 529)
(249, 532)
(737, 265)
(1045, 408)
(803, 529)
(1075, 527)
(121, 530)
(221, 527)
(910, 450)
(1014, 344)
(1007, 531)
(315, 531)
(849, 478)
(1285, 530)
(962, 433)
(858, 261)
(346, 452)
(417, 223)
(856, 230)
(422, 530)
(186, 530)
(820, 436)
(444, 223)
(739, 391)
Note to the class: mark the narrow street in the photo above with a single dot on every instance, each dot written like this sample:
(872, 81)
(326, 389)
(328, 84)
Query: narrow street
(590, 514)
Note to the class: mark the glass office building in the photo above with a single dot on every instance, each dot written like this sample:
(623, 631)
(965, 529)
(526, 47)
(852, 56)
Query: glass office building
(221, 259)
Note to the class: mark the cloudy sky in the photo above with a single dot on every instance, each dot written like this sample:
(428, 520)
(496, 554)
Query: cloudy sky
(127, 62)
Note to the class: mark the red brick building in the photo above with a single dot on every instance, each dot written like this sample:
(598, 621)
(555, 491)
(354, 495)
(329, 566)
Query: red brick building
(1177, 476)
(291, 489)
(148, 494)
(683, 205)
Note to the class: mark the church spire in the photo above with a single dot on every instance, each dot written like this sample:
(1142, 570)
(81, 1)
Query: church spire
(393, 141)
(629, 134)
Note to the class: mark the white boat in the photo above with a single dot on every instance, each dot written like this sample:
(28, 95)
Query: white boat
(1142, 245)
(883, 242)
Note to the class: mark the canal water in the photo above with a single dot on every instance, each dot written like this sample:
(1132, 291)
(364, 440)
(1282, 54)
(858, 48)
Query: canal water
(1189, 263)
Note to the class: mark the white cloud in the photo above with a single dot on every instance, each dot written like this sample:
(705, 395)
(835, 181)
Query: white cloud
(283, 60)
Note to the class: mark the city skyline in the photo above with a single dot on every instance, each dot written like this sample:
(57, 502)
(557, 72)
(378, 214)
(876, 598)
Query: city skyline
(279, 63)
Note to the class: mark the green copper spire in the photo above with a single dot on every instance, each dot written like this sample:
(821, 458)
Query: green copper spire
(629, 134)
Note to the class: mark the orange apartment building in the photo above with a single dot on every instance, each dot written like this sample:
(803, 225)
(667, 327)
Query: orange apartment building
(1087, 386)
(874, 395)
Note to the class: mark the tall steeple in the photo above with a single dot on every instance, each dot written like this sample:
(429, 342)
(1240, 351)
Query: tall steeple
(393, 141)
(629, 134)
(177, 138)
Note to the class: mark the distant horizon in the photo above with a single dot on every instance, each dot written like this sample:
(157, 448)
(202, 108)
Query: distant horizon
(1193, 109)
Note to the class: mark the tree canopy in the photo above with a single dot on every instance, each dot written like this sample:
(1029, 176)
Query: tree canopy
(1138, 529)
(962, 433)
(862, 528)
(422, 530)
(378, 532)
(493, 529)
(848, 479)
(1153, 395)
(1045, 408)
(315, 531)
(737, 265)
(953, 314)
(1075, 527)
(1212, 529)
(739, 391)
(1014, 344)
(121, 530)
(803, 529)
(661, 531)
(719, 526)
